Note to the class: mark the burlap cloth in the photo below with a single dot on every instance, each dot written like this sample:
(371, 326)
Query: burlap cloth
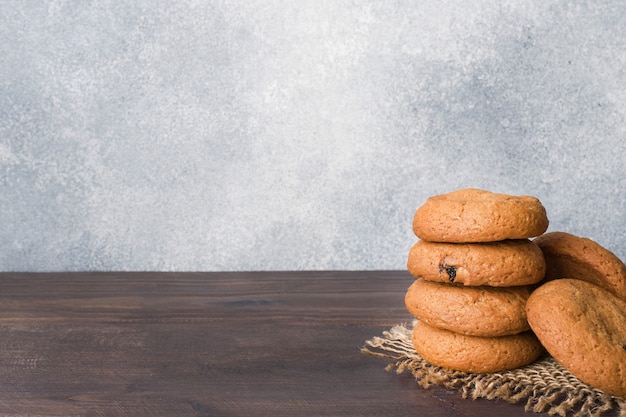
(545, 385)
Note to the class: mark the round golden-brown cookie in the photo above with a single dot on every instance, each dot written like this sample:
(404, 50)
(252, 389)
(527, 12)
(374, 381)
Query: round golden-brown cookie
(473, 311)
(472, 353)
(499, 264)
(473, 215)
(583, 327)
(570, 256)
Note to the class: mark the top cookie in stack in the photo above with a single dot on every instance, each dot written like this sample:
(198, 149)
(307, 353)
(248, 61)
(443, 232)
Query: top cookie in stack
(473, 215)
(475, 267)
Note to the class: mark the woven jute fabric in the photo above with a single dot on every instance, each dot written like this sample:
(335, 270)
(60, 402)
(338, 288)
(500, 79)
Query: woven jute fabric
(545, 386)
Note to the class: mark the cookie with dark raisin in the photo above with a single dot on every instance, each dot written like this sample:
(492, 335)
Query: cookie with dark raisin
(583, 326)
(474, 215)
(473, 311)
(570, 256)
(499, 264)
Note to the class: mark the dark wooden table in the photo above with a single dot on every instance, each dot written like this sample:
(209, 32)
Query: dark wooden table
(209, 344)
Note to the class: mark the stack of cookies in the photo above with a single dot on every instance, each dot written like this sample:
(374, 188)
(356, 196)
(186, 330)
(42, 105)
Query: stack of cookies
(475, 268)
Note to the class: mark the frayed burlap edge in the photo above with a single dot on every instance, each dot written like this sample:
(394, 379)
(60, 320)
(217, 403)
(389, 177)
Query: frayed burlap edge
(545, 385)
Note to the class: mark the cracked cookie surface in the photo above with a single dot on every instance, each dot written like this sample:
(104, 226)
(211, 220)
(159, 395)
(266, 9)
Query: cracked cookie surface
(583, 327)
(498, 264)
(473, 311)
(474, 215)
(474, 354)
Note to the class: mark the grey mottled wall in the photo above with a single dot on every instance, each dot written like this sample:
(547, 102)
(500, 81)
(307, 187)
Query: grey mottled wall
(247, 135)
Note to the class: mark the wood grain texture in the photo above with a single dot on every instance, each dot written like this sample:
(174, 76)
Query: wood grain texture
(209, 344)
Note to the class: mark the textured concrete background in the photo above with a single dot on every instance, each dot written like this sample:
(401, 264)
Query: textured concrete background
(258, 135)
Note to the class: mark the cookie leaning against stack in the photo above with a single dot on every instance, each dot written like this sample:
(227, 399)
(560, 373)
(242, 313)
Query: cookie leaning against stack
(579, 311)
(571, 256)
(582, 326)
(474, 267)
